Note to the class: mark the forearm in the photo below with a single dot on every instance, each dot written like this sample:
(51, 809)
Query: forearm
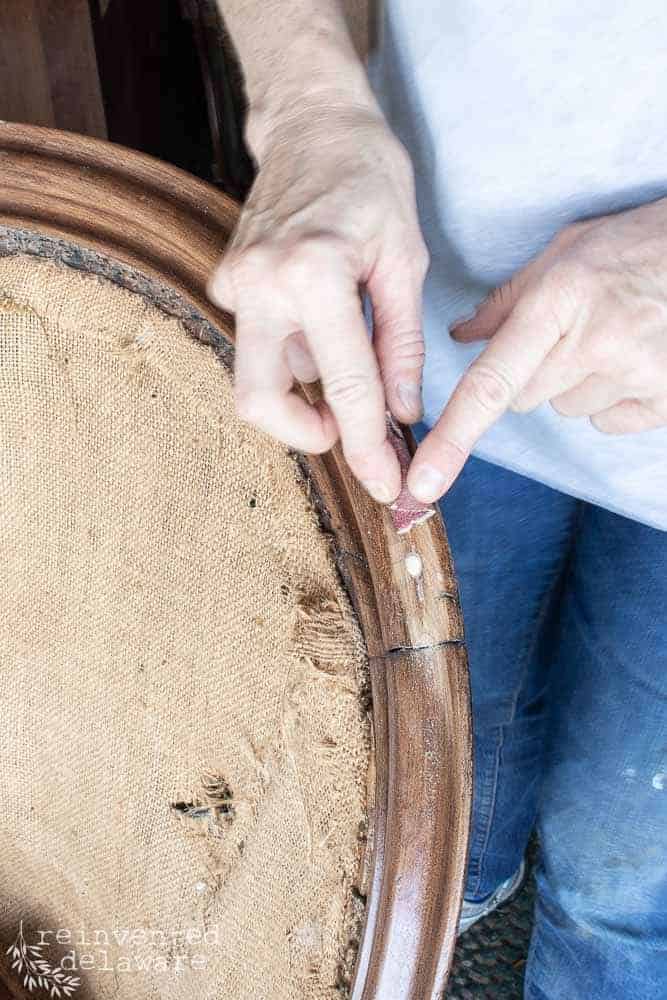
(295, 55)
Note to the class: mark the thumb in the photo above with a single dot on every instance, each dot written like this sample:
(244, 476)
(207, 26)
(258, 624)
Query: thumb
(220, 288)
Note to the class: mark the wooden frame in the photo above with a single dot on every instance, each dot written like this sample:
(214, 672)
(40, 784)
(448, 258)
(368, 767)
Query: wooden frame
(165, 225)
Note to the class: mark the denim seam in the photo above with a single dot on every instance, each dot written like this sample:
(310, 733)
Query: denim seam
(488, 813)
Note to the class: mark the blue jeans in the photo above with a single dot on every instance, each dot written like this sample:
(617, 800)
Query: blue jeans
(566, 620)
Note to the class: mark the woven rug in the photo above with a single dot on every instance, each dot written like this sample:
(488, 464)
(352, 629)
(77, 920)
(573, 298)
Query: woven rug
(490, 958)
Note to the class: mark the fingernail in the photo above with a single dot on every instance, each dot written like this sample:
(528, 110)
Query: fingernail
(427, 483)
(379, 491)
(410, 395)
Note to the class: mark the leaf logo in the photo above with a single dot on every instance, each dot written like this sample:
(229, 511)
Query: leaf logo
(37, 972)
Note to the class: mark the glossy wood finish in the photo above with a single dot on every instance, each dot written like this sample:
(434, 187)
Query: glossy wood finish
(171, 228)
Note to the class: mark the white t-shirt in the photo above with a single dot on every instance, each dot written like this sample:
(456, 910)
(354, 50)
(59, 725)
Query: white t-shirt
(520, 118)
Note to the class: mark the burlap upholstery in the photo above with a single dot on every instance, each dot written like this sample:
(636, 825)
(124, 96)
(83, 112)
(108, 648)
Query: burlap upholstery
(186, 742)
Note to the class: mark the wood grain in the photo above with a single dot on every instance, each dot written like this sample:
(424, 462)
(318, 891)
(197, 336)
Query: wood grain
(427, 734)
(172, 228)
(48, 67)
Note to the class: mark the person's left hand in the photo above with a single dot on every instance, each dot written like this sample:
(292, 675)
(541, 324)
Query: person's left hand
(584, 326)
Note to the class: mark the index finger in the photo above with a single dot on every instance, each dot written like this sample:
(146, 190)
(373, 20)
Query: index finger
(483, 394)
(340, 343)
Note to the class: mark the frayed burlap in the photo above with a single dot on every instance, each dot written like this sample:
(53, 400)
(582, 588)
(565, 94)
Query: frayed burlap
(185, 740)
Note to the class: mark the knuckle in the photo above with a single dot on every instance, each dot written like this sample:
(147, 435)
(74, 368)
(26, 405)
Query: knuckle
(405, 351)
(410, 349)
(649, 315)
(489, 387)
(217, 286)
(312, 257)
(554, 308)
(346, 390)
(251, 265)
(251, 405)
(608, 351)
(566, 290)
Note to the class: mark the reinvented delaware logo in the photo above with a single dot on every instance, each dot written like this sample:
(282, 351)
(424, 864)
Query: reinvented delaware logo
(38, 973)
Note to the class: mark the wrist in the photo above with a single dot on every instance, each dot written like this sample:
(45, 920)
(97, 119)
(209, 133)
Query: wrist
(334, 84)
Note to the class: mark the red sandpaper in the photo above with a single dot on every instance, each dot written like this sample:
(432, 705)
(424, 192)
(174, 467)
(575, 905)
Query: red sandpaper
(406, 512)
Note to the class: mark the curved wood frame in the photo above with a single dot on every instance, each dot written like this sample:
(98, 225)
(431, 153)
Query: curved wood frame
(171, 228)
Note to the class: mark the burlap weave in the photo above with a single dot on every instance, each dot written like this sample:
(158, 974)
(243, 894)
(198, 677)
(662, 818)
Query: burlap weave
(185, 742)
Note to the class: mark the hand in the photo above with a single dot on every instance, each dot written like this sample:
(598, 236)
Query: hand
(332, 213)
(584, 326)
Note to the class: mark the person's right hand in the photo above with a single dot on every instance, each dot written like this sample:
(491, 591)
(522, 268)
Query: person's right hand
(331, 214)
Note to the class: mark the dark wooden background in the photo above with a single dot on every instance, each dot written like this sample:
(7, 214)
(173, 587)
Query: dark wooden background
(155, 75)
